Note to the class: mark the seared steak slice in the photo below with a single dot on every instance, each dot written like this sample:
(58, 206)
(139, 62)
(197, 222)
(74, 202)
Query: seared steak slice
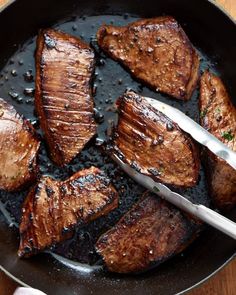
(157, 52)
(53, 208)
(218, 116)
(19, 147)
(63, 98)
(150, 233)
(154, 145)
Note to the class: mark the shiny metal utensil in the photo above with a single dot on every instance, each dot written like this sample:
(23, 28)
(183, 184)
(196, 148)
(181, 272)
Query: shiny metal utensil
(197, 132)
(202, 212)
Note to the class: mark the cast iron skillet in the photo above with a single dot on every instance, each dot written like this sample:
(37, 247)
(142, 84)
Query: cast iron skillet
(210, 30)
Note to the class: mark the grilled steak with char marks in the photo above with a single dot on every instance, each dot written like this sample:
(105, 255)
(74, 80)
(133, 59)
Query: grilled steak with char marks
(63, 98)
(157, 52)
(218, 116)
(150, 233)
(19, 148)
(53, 208)
(154, 145)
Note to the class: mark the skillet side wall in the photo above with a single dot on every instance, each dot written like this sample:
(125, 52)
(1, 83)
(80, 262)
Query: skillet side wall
(209, 29)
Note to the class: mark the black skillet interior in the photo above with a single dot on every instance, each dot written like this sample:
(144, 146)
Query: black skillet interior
(213, 33)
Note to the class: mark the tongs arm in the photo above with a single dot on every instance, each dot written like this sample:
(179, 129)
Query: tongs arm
(196, 131)
(205, 214)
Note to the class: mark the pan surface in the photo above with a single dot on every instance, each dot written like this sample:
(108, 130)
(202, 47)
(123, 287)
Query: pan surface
(213, 34)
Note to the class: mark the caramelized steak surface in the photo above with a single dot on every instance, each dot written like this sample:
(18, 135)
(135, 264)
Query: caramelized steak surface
(154, 145)
(150, 233)
(63, 98)
(218, 116)
(19, 147)
(157, 52)
(53, 208)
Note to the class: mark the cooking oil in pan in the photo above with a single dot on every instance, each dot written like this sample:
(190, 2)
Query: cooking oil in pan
(110, 81)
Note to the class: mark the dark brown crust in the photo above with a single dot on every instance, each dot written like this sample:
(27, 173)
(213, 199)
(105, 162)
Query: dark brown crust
(53, 208)
(157, 52)
(63, 96)
(218, 116)
(143, 140)
(149, 234)
(19, 146)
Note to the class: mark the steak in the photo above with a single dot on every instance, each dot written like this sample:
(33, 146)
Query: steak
(149, 234)
(218, 116)
(154, 145)
(53, 208)
(157, 52)
(19, 146)
(63, 98)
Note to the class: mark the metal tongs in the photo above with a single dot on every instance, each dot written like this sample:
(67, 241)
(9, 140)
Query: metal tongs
(208, 140)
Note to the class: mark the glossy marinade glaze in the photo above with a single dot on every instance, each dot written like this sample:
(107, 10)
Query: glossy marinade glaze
(110, 82)
(19, 148)
(153, 144)
(53, 208)
(63, 94)
(218, 116)
(149, 234)
(157, 51)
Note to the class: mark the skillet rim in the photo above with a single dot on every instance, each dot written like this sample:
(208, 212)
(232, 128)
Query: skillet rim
(211, 275)
(197, 285)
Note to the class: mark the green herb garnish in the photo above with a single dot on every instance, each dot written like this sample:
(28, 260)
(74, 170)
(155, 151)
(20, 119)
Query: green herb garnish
(156, 189)
(203, 113)
(228, 135)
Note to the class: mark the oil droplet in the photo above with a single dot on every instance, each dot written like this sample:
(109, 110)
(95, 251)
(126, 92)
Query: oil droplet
(150, 50)
(99, 141)
(29, 101)
(169, 126)
(14, 73)
(29, 91)
(99, 117)
(19, 100)
(74, 27)
(101, 62)
(35, 123)
(28, 76)
(159, 140)
(13, 94)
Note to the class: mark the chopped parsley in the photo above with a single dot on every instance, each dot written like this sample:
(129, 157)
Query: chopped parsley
(203, 113)
(156, 189)
(228, 135)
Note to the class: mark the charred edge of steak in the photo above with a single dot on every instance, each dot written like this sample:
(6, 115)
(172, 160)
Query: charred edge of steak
(56, 192)
(32, 169)
(217, 114)
(193, 79)
(112, 148)
(149, 204)
(47, 39)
